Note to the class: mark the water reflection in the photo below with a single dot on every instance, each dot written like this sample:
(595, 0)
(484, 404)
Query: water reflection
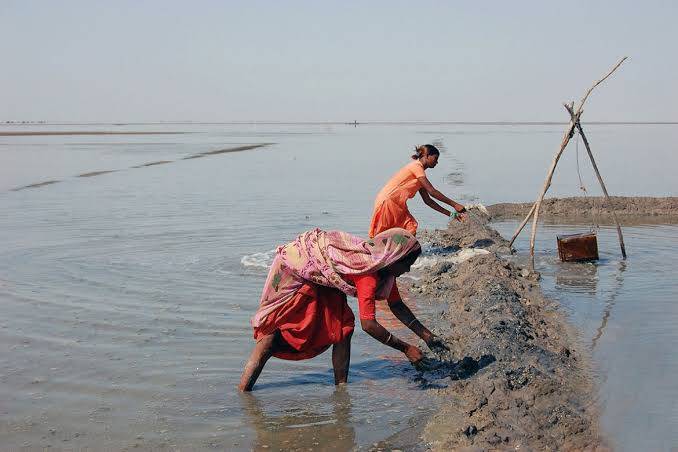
(578, 277)
(609, 305)
(582, 278)
(304, 425)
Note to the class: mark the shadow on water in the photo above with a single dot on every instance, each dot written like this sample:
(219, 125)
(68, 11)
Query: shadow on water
(306, 426)
(329, 421)
(374, 369)
(428, 372)
(609, 305)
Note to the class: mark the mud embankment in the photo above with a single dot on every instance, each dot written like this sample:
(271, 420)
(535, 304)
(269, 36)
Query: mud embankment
(629, 210)
(518, 380)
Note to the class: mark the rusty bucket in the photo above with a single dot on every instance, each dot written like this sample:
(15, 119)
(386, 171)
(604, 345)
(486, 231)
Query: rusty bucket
(578, 247)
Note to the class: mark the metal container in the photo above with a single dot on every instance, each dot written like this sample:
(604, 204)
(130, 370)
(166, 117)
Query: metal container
(578, 247)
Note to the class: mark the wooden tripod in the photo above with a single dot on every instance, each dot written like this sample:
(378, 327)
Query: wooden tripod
(569, 133)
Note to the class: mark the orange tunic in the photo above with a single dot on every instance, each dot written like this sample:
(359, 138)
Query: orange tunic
(390, 207)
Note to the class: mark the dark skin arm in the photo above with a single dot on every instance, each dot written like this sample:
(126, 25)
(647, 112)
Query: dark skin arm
(403, 313)
(374, 329)
(427, 191)
(431, 203)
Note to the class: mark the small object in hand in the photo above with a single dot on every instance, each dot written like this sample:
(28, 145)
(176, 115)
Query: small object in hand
(454, 215)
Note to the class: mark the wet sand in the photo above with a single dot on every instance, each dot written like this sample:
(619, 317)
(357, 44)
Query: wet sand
(95, 173)
(518, 377)
(149, 164)
(227, 150)
(629, 210)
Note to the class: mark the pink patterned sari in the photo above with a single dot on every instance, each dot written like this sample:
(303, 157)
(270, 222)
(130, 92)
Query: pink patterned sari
(322, 257)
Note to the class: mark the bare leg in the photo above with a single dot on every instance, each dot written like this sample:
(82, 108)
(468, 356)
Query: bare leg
(341, 358)
(263, 350)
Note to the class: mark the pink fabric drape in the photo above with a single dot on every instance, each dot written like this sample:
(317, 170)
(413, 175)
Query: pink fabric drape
(321, 257)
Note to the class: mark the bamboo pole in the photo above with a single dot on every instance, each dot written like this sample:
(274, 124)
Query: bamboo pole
(566, 138)
(522, 225)
(600, 179)
(547, 183)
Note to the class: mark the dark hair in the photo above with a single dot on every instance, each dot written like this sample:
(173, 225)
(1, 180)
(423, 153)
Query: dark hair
(425, 149)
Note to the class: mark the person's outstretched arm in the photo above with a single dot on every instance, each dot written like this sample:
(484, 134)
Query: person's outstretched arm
(407, 317)
(374, 329)
(431, 203)
(432, 191)
(366, 286)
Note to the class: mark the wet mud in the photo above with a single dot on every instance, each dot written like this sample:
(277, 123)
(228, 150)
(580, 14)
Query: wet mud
(514, 378)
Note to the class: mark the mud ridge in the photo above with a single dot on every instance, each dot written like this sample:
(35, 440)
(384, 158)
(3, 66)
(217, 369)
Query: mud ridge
(517, 379)
(629, 210)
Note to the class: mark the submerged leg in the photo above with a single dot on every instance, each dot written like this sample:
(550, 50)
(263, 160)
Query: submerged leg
(341, 358)
(263, 350)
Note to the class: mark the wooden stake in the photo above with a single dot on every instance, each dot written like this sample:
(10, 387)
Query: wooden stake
(574, 119)
(600, 179)
(522, 225)
(547, 183)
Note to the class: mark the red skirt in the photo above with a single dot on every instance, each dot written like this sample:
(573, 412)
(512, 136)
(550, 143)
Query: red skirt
(315, 318)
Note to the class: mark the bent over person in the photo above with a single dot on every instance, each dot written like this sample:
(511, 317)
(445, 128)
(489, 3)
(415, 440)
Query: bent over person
(303, 308)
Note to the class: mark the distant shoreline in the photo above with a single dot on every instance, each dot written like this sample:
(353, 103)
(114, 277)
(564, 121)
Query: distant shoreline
(83, 132)
(629, 210)
(346, 123)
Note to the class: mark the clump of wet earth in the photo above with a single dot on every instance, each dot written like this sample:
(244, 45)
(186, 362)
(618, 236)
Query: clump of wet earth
(514, 376)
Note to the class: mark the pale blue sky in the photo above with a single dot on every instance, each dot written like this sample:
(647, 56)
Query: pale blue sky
(335, 60)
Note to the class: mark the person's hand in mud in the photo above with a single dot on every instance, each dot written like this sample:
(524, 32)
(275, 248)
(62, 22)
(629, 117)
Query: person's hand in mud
(414, 354)
(374, 329)
(405, 315)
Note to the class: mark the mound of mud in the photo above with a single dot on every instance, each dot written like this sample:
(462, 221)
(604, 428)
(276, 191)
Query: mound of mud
(518, 381)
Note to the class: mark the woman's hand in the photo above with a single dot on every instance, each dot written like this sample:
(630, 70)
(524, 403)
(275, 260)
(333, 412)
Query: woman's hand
(460, 212)
(414, 354)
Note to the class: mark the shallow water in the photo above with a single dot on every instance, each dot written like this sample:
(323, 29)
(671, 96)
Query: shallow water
(626, 313)
(126, 295)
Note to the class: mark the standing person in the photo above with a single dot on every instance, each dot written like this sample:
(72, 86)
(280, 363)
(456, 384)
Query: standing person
(303, 308)
(390, 207)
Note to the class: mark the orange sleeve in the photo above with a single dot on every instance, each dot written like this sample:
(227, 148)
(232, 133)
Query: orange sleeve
(366, 286)
(394, 296)
(417, 169)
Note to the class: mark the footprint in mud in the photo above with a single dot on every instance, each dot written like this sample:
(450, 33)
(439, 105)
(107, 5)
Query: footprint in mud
(431, 370)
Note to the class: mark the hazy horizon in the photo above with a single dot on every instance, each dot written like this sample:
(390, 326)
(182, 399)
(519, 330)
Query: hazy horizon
(303, 62)
(331, 122)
